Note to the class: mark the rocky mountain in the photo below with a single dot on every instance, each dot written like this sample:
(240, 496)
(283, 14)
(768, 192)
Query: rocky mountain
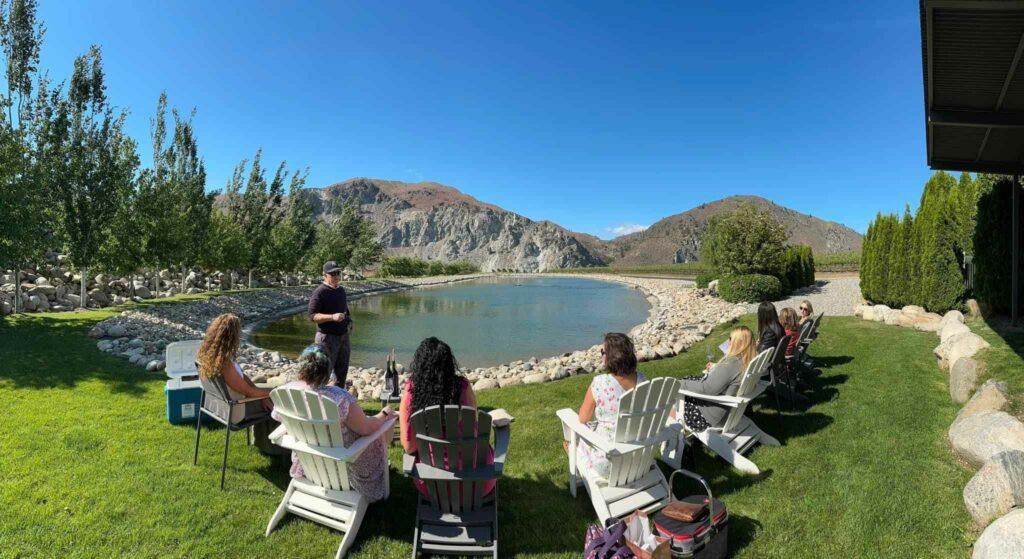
(436, 222)
(677, 238)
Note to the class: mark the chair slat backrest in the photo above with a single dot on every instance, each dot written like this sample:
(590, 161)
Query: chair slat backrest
(456, 439)
(643, 413)
(313, 419)
(748, 384)
(779, 357)
(805, 331)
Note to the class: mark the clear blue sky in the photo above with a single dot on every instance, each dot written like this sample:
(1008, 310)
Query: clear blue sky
(593, 115)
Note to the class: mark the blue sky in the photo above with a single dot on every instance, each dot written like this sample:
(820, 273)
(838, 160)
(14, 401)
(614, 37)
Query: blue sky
(594, 115)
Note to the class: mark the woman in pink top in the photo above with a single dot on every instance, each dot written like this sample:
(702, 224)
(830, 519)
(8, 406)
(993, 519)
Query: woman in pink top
(435, 381)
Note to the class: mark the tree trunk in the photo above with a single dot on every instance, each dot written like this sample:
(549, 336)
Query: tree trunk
(250, 278)
(17, 288)
(183, 273)
(82, 293)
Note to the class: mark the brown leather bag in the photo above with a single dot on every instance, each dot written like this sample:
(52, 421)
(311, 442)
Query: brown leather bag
(685, 512)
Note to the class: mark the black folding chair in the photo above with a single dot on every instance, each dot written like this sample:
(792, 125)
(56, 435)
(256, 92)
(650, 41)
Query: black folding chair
(234, 414)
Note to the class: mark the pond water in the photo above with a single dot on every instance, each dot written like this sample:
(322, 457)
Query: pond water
(487, 322)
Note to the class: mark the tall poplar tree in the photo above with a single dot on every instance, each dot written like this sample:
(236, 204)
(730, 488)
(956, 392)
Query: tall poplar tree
(85, 161)
(23, 231)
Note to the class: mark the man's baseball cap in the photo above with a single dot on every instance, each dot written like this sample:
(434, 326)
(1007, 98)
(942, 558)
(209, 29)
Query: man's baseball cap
(331, 267)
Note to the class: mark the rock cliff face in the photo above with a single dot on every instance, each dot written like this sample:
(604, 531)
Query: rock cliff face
(436, 222)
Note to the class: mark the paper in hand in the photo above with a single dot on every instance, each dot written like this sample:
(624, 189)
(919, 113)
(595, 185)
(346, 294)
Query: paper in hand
(724, 347)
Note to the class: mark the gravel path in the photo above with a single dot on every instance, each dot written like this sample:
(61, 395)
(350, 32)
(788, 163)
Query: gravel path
(834, 297)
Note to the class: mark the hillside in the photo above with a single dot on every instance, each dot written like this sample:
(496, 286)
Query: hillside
(677, 238)
(437, 222)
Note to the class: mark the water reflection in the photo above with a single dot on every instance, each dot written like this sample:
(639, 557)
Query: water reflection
(487, 322)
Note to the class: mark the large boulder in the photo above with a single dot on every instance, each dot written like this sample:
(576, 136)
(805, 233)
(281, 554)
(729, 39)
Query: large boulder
(983, 435)
(963, 378)
(961, 345)
(951, 328)
(143, 291)
(913, 309)
(30, 303)
(99, 298)
(485, 384)
(1003, 539)
(996, 488)
(6, 308)
(859, 310)
(992, 396)
(952, 316)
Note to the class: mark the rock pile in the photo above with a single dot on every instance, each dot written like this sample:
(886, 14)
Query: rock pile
(983, 434)
(54, 287)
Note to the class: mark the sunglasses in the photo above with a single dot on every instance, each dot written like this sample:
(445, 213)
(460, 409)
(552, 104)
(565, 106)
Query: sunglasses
(334, 274)
(803, 309)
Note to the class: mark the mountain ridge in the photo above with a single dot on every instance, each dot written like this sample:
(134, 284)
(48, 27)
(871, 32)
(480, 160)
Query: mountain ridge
(434, 221)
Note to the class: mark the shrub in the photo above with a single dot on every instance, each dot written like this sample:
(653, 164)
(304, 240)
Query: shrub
(797, 268)
(746, 241)
(705, 277)
(408, 267)
(749, 288)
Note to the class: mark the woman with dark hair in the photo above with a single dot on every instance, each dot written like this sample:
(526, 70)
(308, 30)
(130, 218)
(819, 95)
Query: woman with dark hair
(367, 472)
(600, 407)
(769, 330)
(435, 381)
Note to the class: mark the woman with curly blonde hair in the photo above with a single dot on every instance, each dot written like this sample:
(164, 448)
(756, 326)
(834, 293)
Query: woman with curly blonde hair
(216, 358)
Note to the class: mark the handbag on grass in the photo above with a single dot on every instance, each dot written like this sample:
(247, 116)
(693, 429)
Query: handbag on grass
(606, 543)
(684, 511)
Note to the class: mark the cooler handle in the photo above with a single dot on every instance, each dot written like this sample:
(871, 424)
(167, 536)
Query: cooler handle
(707, 489)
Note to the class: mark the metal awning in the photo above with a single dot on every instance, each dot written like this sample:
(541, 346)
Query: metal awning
(974, 84)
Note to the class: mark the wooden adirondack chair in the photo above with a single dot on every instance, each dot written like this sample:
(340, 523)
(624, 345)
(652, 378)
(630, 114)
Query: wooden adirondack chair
(310, 426)
(642, 427)
(453, 443)
(738, 434)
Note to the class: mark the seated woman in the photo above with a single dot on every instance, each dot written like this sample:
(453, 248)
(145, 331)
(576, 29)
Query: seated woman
(769, 331)
(367, 472)
(722, 378)
(434, 381)
(806, 311)
(787, 317)
(600, 407)
(216, 359)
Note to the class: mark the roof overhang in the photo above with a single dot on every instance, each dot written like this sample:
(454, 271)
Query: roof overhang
(974, 84)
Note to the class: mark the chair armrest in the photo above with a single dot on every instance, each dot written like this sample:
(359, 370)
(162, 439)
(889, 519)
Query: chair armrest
(501, 442)
(408, 464)
(731, 401)
(253, 399)
(572, 421)
(361, 444)
(277, 434)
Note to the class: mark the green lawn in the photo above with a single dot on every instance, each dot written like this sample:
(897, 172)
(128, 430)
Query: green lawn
(1003, 361)
(91, 468)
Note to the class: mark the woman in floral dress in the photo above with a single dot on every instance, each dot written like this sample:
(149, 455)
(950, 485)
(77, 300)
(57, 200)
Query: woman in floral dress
(366, 472)
(601, 403)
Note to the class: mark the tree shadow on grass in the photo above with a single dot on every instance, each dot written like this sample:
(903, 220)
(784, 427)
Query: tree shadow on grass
(534, 515)
(45, 352)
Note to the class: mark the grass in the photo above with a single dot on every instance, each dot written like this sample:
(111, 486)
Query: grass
(91, 468)
(1003, 361)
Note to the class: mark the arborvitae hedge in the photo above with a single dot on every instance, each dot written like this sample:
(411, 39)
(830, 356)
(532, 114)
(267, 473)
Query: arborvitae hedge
(993, 242)
(797, 267)
(918, 260)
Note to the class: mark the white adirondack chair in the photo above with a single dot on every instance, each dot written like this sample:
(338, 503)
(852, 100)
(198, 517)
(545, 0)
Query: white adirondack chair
(738, 434)
(310, 426)
(642, 427)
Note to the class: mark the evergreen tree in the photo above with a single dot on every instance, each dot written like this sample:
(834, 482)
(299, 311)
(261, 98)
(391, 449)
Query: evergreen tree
(867, 261)
(86, 162)
(899, 292)
(940, 284)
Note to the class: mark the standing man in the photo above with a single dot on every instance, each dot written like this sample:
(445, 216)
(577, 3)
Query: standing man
(328, 308)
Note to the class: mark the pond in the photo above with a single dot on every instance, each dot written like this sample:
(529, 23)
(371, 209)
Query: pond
(487, 322)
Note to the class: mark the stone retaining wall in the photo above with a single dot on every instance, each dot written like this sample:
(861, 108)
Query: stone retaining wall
(983, 434)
